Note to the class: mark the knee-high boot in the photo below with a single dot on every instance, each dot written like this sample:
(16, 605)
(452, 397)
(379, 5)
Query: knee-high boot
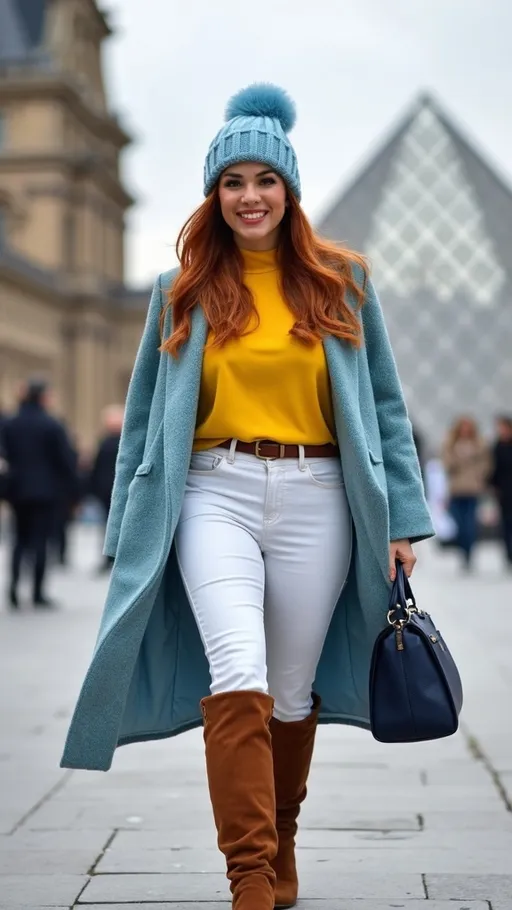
(241, 782)
(292, 746)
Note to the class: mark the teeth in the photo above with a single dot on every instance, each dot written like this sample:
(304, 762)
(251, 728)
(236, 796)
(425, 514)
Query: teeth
(252, 216)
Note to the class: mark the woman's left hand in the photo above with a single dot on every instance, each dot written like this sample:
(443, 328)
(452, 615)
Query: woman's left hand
(401, 550)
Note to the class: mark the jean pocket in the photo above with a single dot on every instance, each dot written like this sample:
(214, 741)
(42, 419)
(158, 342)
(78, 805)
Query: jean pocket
(205, 462)
(326, 473)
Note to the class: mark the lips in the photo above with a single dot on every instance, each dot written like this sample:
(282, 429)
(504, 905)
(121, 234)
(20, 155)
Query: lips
(252, 217)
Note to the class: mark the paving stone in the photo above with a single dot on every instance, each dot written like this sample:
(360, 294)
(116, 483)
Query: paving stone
(465, 887)
(25, 891)
(461, 821)
(209, 887)
(317, 904)
(335, 883)
(46, 862)
(365, 821)
(133, 888)
(61, 815)
(78, 839)
(396, 905)
(162, 860)
(211, 905)
(148, 839)
(469, 840)
(419, 801)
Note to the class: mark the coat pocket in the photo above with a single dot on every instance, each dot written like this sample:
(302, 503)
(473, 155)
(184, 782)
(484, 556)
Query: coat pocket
(375, 458)
(143, 469)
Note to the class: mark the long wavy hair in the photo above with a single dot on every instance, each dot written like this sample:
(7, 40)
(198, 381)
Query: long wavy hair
(316, 278)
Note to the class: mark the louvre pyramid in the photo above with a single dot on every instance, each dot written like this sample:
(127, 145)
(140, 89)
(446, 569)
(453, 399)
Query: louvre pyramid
(436, 223)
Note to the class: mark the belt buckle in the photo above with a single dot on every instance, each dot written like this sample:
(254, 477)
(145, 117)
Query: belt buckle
(268, 457)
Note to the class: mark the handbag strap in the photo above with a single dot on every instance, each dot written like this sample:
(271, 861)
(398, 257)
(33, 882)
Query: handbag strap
(401, 599)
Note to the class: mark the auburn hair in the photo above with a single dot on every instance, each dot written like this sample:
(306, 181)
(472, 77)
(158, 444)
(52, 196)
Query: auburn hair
(316, 277)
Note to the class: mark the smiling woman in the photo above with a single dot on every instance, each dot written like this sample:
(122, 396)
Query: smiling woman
(266, 480)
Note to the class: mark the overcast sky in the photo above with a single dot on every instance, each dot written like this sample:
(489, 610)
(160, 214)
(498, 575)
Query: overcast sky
(352, 66)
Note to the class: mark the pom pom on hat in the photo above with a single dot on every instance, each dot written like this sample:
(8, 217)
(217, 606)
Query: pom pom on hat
(262, 99)
(258, 119)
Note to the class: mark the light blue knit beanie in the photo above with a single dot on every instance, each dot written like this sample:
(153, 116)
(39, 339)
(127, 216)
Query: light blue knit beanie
(257, 121)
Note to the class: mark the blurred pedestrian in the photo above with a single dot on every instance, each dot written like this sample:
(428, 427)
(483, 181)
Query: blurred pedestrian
(65, 511)
(466, 459)
(103, 470)
(501, 479)
(41, 463)
(4, 470)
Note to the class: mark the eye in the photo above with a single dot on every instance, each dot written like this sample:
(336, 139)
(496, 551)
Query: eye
(231, 183)
(268, 181)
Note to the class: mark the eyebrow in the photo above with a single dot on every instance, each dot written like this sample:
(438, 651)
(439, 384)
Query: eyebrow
(241, 176)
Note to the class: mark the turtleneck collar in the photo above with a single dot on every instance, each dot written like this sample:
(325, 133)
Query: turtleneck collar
(259, 261)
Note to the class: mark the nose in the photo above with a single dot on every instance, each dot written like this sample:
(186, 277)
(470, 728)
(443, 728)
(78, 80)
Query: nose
(251, 194)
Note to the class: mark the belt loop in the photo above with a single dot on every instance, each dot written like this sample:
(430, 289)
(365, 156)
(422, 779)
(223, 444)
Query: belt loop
(232, 450)
(302, 461)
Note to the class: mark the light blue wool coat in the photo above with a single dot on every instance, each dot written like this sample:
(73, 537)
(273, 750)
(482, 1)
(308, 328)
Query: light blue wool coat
(149, 671)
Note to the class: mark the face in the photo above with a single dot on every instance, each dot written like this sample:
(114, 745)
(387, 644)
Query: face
(466, 429)
(253, 202)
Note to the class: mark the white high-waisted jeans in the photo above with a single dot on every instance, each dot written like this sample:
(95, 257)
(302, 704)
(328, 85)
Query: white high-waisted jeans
(264, 549)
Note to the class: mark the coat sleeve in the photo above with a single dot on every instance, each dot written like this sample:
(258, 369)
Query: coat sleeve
(409, 515)
(138, 405)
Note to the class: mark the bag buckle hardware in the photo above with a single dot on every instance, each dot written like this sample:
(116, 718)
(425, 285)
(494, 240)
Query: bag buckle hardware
(398, 623)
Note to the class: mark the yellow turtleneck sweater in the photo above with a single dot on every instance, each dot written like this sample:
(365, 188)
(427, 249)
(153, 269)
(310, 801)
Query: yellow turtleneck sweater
(266, 385)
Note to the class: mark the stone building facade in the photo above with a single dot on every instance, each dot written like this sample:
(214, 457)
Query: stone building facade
(65, 312)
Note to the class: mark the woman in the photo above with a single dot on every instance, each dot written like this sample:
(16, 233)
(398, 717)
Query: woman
(266, 481)
(466, 461)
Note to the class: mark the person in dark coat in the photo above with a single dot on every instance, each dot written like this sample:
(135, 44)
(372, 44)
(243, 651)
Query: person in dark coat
(104, 466)
(41, 462)
(501, 479)
(4, 469)
(71, 495)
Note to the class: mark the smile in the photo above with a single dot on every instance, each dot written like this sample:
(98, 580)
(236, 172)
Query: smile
(252, 217)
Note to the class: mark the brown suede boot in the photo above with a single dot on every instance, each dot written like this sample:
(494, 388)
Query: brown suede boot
(241, 781)
(292, 745)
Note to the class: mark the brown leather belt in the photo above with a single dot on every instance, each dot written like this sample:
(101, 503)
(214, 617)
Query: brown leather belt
(265, 448)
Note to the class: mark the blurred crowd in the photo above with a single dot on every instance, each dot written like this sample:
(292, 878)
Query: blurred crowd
(45, 481)
(470, 474)
(47, 484)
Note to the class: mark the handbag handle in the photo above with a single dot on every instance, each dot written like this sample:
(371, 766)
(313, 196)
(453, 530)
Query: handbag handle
(401, 599)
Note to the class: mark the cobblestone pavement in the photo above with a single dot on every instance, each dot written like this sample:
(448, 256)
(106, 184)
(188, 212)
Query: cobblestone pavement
(416, 826)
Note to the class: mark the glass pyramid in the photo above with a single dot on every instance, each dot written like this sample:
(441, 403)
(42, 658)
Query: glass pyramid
(436, 224)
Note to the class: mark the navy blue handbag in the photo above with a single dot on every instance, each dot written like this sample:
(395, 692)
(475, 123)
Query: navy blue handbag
(415, 687)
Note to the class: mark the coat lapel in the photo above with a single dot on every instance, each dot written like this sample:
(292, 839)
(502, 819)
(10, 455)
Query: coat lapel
(343, 373)
(181, 400)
